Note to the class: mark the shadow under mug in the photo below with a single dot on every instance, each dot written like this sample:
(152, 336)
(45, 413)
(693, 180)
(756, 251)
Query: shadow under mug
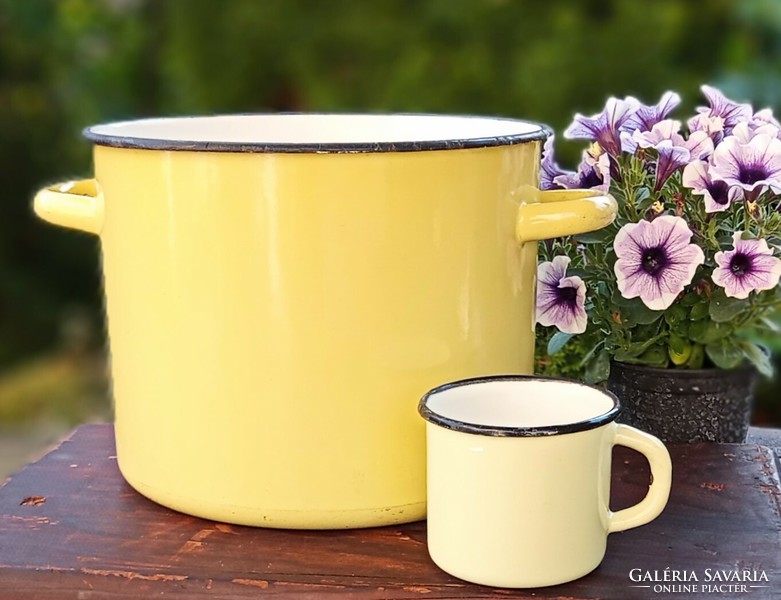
(519, 478)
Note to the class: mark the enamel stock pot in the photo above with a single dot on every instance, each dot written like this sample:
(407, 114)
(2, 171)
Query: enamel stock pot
(282, 289)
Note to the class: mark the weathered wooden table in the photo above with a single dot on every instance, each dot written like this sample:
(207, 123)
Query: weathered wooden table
(70, 527)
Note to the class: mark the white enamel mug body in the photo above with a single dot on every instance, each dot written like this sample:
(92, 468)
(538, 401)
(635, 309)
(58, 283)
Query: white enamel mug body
(519, 479)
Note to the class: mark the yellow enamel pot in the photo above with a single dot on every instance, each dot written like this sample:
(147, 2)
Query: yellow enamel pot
(281, 289)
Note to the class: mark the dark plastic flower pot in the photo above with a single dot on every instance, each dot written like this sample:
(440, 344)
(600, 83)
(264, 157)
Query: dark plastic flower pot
(679, 405)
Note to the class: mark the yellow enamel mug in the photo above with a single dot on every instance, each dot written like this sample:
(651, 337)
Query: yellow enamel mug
(519, 479)
(282, 289)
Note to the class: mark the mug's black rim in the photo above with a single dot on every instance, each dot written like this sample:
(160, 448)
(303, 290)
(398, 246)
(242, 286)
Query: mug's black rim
(140, 143)
(491, 430)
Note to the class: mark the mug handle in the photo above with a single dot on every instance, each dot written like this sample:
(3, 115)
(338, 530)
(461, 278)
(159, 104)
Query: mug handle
(554, 213)
(75, 204)
(654, 502)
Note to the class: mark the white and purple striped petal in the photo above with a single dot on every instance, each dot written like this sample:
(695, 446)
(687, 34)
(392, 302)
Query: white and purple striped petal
(753, 166)
(656, 260)
(749, 267)
(549, 169)
(604, 127)
(645, 117)
(671, 158)
(712, 125)
(673, 150)
(718, 195)
(561, 300)
(699, 144)
(746, 131)
(721, 106)
(764, 117)
(592, 173)
(663, 130)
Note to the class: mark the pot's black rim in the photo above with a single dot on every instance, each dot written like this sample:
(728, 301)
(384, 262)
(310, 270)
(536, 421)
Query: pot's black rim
(494, 431)
(139, 143)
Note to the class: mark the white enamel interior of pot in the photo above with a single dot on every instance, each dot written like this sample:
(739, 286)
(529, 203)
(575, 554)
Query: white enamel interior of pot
(317, 128)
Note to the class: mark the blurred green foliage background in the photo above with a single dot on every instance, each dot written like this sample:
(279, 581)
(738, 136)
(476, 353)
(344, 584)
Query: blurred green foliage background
(66, 64)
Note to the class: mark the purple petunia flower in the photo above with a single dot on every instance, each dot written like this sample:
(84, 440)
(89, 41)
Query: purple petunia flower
(718, 195)
(749, 267)
(751, 166)
(645, 117)
(561, 300)
(656, 260)
(549, 169)
(674, 151)
(711, 125)
(592, 173)
(604, 127)
(764, 117)
(720, 106)
(747, 131)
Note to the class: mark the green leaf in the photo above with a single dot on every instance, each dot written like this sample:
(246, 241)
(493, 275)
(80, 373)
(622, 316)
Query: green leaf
(626, 356)
(681, 329)
(600, 236)
(690, 299)
(636, 348)
(598, 368)
(679, 350)
(723, 308)
(655, 356)
(675, 314)
(725, 354)
(645, 332)
(707, 332)
(699, 311)
(618, 300)
(558, 341)
(592, 351)
(639, 313)
(697, 358)
(758, 357)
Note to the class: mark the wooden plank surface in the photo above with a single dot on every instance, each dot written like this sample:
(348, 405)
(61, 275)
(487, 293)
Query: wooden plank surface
(769, 437)
(70, 527)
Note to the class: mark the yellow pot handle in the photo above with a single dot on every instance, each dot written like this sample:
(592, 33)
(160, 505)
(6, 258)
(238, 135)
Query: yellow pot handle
(75, 204)
(555, 213)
